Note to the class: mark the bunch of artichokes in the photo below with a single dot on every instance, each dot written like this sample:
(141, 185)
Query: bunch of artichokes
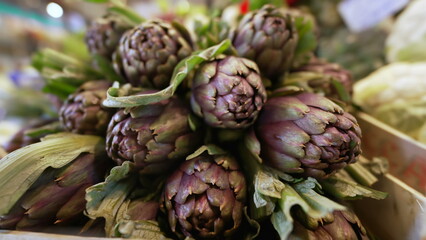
(173, 176)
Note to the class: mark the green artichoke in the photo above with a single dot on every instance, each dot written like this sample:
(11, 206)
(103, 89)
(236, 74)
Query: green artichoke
(342, 225)
(148, 54)
(228, 92)
(308, 135)
(205, 196)
(154, 137)
(324, 75)
(83, 112)
(58, 196)
(269, 38)
(103, 35)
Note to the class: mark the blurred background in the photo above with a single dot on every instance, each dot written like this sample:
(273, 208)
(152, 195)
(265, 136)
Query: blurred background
(29, 25)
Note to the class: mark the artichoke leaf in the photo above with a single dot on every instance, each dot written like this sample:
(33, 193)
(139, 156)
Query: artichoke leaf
(314, 205)
(105, 199)
(141, 229)
(51, 128)
(210, 148)
(348, 190)
(181, 71)
(56, 151)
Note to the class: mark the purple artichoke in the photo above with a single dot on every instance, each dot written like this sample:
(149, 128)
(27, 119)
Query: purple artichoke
(83, 112)
(343, 225)
(205, 197)
(58, 196)
(327, 73)
(228, 92)
(154, 137)
(269, 38)
(148, 54)
(307, 134)
(103, 35)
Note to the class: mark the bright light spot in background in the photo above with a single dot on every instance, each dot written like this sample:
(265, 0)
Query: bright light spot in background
(54, 10)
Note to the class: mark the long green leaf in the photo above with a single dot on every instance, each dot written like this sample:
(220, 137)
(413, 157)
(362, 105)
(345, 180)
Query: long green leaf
(21, 168)
(348, 190)
(181, 71)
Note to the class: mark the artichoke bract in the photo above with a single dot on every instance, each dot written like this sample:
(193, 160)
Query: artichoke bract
(58, 196)
(343, 225)
(269, 38)
(154, 137)
(308, 135)
(103, 35)
(83, 112)
(329, 72)
(228, 92)
(205, 197)
(148, 54)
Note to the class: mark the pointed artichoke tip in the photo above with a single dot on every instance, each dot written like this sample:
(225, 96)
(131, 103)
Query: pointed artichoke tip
(58, 221)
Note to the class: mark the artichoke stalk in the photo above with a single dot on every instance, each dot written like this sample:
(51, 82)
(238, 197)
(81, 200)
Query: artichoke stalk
(228, 92)
(269, 38)
(83, 112)
(58, 196)
(103, 35)
(154, 137)
(307, 135)
(204, 198)
(148, 54)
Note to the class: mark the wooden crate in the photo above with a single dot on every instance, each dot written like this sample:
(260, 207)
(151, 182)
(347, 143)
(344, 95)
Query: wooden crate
(407, 157)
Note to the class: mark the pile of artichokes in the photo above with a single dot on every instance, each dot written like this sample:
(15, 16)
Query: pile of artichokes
(168, 134)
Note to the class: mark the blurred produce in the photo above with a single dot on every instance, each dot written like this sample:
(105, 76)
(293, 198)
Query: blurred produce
(407, 39)
(396, 95)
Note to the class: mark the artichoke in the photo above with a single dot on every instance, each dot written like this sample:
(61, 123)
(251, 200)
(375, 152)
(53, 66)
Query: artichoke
(83, 112)
(269, 38)
(325, 74)
(308, 135)
(20, 139)
(343, 225)
(58, 196)
(154, 137)
(205, 196)
(103, 35)
(228, 92)
(148, 54)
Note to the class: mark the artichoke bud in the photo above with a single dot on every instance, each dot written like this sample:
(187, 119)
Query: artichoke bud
(103, 35)
(83, 112)
(307, 135)
(204, 198)
(148, 53)
(269, 38)
(327, 78)
(228, 92)
(58, 196)
(345, 225)
(154, 137)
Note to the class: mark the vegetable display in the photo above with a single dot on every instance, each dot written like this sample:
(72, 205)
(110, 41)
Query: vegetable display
(166, 134)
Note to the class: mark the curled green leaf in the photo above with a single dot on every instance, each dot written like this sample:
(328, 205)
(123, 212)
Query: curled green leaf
(181, 71)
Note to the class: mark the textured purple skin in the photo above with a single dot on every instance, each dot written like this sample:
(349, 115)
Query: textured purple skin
(307, 135)
(205, 197)
(269, 38)
(155, 139)
(83, 112)
(228, 92)
(148, 54)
